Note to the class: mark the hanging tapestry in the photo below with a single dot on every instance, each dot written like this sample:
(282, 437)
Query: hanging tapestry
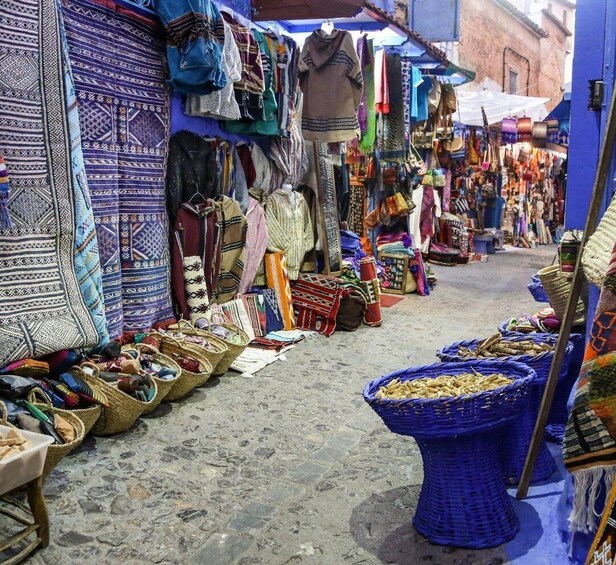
(41, 307)
(316, 299)
(277, 277)
(391, 126)
(118, 67)
(358, 208)
(589, 450)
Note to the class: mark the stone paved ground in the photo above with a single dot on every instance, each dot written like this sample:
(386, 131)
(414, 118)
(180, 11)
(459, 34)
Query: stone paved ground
(289, 467)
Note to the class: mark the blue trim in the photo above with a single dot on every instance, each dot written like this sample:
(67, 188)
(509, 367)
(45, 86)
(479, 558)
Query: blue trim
(350, 26)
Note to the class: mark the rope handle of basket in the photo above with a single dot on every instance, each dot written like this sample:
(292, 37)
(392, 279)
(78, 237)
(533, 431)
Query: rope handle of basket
(96, 372)
(183, 322)
(42, 397)
(146, 347)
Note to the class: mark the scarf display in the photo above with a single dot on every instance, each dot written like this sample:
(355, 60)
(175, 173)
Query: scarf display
(391, 135)
(42, 308)
(426, 221)
(366, 112)
(277, 277)
(316, 299)
(124, 118)
(589, 450)
(372, 289)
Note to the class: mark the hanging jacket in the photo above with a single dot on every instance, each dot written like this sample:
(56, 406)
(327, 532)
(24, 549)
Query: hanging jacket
(233, 228)
(331, 80)
(196, 232)
(256, 244)
(195, 41)
(191, 168)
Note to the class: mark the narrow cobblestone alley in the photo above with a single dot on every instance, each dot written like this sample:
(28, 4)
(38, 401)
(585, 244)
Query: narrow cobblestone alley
(290, 466)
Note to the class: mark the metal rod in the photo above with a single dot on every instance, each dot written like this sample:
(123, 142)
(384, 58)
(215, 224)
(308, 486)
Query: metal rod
(605, 158)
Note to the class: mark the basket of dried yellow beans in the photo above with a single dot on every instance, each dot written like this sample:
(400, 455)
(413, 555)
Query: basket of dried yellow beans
(456, 412)
(536, 351)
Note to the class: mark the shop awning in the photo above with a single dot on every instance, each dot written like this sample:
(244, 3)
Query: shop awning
(497, 105)
(296, 19)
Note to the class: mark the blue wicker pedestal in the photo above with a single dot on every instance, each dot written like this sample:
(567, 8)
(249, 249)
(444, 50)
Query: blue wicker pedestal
(463, 500)
(515, 440)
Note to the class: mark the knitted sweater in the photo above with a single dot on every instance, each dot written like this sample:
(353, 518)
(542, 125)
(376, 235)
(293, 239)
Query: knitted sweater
(331, 80)
(233, 227)
(289, 228)
(221, 104)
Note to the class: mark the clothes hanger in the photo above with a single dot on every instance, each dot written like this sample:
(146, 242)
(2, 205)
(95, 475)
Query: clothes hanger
(327, 26)
(197, 194)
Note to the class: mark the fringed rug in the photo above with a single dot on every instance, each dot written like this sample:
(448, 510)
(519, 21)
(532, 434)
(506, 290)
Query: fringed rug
(118, 65)
(41, 307)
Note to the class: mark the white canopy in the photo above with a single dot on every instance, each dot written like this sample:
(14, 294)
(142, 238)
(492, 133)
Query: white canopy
(497, 105)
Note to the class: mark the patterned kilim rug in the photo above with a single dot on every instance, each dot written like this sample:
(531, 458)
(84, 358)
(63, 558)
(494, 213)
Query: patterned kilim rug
(117, 62)
(41, 306)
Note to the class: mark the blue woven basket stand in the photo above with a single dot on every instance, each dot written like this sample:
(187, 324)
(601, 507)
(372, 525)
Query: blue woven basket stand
(463, 501)
(557, 420)
(537, 290)
(517, 437)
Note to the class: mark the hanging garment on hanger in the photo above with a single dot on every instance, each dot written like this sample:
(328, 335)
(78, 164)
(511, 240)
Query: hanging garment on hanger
(330, 70)
(366, 112)
(222, 104)
(257, 239)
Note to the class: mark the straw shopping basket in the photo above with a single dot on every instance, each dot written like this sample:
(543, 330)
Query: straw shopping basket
(90, 415)
(187, 379)
(558, 287)
(516, 441)
(598, 250)
(123, 410)
(463, 500)
(163, 386)
(56, 452)
(220, 353)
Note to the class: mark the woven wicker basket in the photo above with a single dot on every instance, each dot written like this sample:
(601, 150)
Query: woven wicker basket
(163, 386)
(187, 380)
(216, 358)
(123, 410)
(598, 250)
(558, 288)
(56, 452)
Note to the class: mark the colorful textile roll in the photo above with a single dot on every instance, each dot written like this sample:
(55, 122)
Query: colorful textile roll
(278, 279)
(372, 288)
(196, 289)
(509, 130)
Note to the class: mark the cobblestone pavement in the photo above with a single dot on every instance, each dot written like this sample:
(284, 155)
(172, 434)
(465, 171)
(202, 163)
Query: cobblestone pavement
(290, 466)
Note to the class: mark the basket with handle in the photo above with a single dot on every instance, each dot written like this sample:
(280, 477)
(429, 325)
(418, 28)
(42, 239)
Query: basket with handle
(123, 410)
(514, 447)
(187, 379)
(558, 287)
(56, 452)
(218, 349)
(163, 386)
(463, 500)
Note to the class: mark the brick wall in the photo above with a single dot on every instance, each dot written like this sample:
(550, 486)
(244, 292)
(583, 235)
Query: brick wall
(486, 30)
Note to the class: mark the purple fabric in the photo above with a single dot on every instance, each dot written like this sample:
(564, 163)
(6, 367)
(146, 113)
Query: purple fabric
(426, 221)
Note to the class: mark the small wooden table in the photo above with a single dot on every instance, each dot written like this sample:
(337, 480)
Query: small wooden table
(34, 517)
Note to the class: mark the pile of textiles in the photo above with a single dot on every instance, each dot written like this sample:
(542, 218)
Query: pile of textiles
(544, 321)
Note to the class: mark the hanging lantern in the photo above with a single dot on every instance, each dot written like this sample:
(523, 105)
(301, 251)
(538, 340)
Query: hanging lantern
(540, 134)
(509, 130)
(525, 130)
(552, 131)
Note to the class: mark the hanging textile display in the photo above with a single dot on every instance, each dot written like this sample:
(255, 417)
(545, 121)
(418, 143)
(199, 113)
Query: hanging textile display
(372, 289)
(509, 131)
(391, 125)
(5, 192)
(124, 116)
(324, 59)
(41, 306)
(366, 112)
(589, 450)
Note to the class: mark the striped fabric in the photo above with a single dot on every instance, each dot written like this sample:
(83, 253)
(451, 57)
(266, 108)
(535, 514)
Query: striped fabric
(278, 280)
(42, 308)
(118, 67)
